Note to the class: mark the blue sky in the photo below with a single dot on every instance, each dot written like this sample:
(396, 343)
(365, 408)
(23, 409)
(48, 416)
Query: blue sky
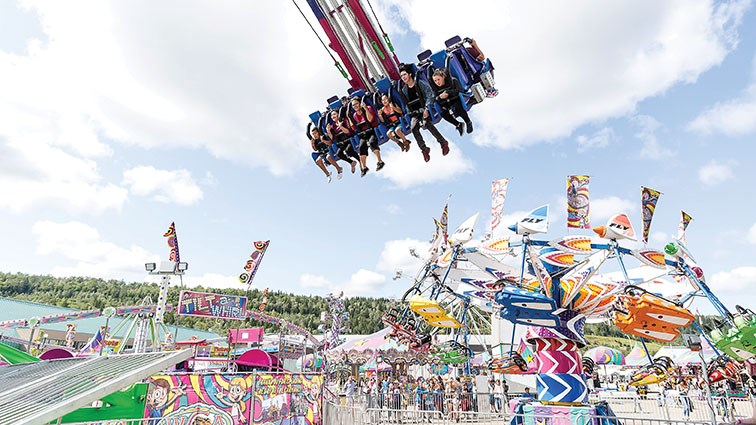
(117, 119)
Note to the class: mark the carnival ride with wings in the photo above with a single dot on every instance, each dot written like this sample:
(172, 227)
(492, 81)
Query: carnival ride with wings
(558, 285)
(372, 68)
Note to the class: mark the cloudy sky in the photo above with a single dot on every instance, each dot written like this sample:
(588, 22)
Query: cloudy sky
(118, 118)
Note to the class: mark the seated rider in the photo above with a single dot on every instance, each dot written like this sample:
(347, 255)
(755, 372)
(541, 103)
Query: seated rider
(419, 97)
(476, 53)
(341, 134)
(320, 144)
(390, 115)
(447, 90)
(474, 50)
(365, 121)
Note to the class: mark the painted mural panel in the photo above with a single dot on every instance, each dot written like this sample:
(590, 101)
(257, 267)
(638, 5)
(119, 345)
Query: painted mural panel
(288, 399)
(199, 399)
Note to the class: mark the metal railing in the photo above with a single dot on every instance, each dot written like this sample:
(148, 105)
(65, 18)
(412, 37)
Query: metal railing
(442, 409)
(692, 407)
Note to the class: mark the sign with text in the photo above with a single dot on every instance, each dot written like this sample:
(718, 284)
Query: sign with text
(203, 304)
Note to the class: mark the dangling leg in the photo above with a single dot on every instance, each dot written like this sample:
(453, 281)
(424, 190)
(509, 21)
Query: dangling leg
(320, 164)
(335, 163)
(447, 116)
(460, 111)
(405, 142)
(363, 157)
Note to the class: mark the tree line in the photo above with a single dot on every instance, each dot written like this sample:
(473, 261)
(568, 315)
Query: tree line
(84, 293)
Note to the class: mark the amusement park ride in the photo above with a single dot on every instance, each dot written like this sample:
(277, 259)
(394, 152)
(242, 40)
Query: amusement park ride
(371, 67)
(558, 286)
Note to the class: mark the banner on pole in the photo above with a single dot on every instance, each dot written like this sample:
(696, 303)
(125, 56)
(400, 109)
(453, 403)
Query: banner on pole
(204, 304)
(578, 202)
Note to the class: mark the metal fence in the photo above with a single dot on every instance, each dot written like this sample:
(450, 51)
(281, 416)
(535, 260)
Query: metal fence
(477, 408)
(346, 415)
(721, 409)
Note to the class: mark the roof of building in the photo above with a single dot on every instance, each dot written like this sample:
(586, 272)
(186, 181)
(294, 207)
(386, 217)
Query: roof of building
(11, 309)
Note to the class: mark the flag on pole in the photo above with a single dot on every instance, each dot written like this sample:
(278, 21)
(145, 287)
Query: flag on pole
(444, 222)
(524, 351)
(94, 344)
(173, 243)
(436, 241)
(498, 194)
(649, 198)
(684, 221)
(578, 202)
(251, 266)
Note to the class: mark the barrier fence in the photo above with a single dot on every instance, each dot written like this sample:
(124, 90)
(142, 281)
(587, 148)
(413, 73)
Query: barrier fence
(480, 408)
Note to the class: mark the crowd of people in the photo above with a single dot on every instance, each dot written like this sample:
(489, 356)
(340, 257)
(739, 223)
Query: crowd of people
(449, 396)
(333, 144)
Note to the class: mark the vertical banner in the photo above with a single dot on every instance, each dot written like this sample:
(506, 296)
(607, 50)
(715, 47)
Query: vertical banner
(684, 221)
(649, 198)
(578, 202)
(173, 243)
(444, 222)
(498, 194)
(250, 268)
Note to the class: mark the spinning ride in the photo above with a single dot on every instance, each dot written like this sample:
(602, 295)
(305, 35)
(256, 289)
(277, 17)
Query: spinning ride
(559, 285)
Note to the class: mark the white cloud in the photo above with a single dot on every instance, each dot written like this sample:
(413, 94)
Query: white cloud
(598, 140)
(631, 51)
(175, 186)
(752, 234)
(652, 147)
(733, 280)
(715, 173)
(363, 282)
(36, 174)
(732, 117)
(92, 256)
(149, 79)
(407, 170)
(314, 281)
(603, 208)
(393, 209)
(396, 256)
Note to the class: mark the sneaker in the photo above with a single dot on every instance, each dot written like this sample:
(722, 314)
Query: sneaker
(460, 128)
(444, 148)
(469, 127)
(340, 174)
(328, 177)
(492, 93)
(406, 145)
(379, 166)
(426, 154)
(354, 166)
(364, 171)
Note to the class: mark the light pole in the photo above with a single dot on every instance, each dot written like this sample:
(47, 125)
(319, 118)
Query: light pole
(33, 323)
(165, 270)
(108, 312)
(694, 344)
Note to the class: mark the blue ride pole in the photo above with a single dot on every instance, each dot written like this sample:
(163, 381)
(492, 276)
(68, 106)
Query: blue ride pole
(615, 248)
